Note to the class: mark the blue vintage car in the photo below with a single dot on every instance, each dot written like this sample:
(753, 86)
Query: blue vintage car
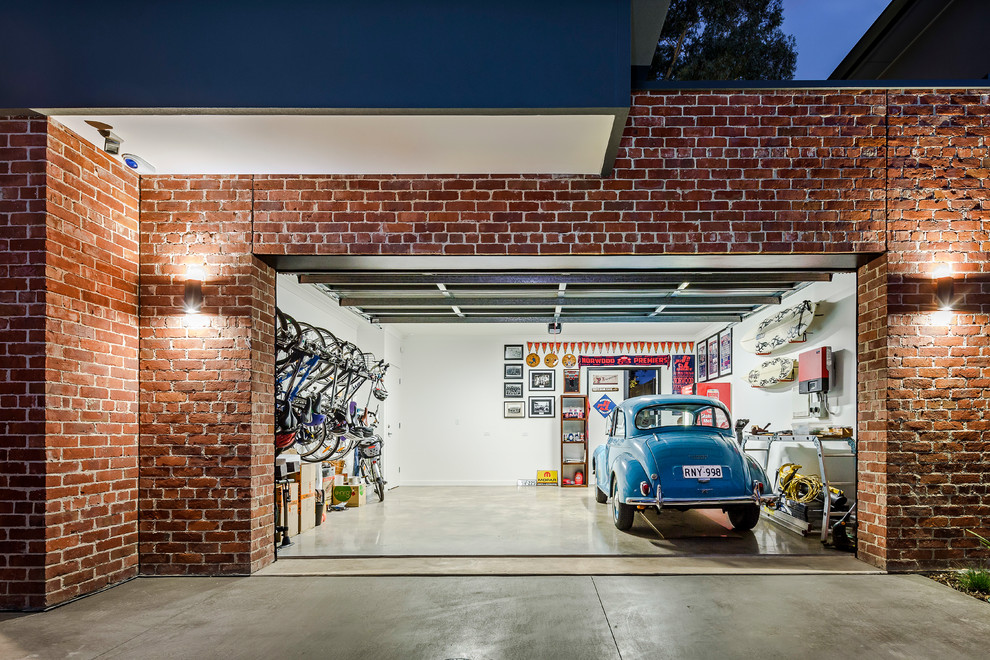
(677, 452)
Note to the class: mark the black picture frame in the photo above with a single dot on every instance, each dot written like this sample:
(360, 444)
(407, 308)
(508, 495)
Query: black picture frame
(512, 352)
(572, 381)
(512, 371)
(712, 356)
(542, 380)
(701, 361)
(512, 391)
(725, 353)
(513, 409)
(541, 406)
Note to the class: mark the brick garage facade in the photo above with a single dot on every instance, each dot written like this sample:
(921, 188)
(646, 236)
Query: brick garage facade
(938, 409)
(207, 411)
(899, 173)
(70, 432)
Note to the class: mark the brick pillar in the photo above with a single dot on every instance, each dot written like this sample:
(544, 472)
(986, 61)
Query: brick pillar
(872, 399)
(938, 409)
(69, 356)
(22, 363)
(206, 483)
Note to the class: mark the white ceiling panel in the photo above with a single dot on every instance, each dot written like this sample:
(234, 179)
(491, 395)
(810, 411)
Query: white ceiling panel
(359, 144)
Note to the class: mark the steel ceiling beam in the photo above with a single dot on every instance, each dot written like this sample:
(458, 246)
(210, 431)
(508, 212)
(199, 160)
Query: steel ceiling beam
(662, 318)
(565, 301)
(396, 278)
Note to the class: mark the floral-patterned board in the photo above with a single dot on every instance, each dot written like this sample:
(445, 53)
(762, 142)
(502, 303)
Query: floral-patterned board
(788, 325)
(771, 372)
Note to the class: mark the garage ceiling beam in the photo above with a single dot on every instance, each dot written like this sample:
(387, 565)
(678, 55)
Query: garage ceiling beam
(566, 301)
(396, 278)
(663, 318)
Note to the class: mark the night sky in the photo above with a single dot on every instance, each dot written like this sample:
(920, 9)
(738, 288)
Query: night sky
(826, 30)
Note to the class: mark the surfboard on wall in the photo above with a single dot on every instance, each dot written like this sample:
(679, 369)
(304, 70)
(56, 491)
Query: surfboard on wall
(784, 327)
(772, 372)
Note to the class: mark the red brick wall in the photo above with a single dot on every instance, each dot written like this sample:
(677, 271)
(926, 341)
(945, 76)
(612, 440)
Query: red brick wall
(206, 382)
(22, 362)
(938, 440)
(696, 172)
(91, 368)
(871, 436)
(68, 344)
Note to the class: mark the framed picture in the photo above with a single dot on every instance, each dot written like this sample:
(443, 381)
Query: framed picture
(712, 357)
(541, 406)
(572, 381)
(541, 380)
(725, 352)
(512, 390)
(513, 352)
(512, 372)
(513, 409)
(701, 363)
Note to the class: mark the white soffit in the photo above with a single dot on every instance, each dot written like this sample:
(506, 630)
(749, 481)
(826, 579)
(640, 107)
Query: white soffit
(359, 144)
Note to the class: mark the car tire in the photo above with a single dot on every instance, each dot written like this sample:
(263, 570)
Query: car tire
(600, 497)
(744, 518)
(622, 514)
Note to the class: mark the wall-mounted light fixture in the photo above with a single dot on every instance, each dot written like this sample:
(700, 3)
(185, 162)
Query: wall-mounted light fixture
(945, 287)
(192, 300)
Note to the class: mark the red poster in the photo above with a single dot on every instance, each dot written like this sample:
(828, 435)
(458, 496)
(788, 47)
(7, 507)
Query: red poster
(720, 391)
(682, 373)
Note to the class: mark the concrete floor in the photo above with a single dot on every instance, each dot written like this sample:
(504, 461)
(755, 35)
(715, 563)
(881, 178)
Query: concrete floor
(627, 617)
(506, 520)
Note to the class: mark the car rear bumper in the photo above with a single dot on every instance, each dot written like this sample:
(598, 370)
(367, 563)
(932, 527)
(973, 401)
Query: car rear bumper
(712, 503)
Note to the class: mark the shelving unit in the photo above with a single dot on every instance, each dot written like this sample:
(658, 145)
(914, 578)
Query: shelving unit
(573, 439)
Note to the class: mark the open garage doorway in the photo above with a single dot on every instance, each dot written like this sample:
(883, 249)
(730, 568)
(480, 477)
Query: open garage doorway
(503, 381)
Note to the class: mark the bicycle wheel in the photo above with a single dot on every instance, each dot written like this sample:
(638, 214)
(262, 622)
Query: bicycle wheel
(379, 482)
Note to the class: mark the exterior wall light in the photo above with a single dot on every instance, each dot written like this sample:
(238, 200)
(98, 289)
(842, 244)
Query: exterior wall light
(192, 299)
(945, 288)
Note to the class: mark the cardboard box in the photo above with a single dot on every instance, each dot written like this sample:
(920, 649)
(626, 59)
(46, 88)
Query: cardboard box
(310, 479)
(350, 495)
(293, 523)
(307, 512)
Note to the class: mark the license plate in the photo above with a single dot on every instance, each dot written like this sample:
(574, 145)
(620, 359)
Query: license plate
(702, 471)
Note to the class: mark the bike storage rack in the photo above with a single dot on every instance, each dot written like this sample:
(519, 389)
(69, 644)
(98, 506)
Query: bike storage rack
(318, 378)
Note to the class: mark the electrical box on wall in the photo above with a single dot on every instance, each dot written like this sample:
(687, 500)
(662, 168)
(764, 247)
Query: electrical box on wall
(815, 370)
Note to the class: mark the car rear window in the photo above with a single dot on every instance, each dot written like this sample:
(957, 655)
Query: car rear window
(681, 415)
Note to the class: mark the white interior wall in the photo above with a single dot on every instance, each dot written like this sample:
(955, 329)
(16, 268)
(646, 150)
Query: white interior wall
(453, 409)
(834, 326)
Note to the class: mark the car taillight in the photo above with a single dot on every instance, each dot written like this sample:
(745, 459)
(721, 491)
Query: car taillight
(644, 488)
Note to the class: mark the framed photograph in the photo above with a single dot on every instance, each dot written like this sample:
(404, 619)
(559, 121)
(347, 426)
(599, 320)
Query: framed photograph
(712, 357)
(513, 352)
(572, 381)
(512, 372)
(512, 390)
(541, 406)
(513, 409)
(725, 352)
(702, 361)
(541, 380)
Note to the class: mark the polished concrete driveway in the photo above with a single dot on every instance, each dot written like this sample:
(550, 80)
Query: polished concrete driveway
(572, 618)
(505, 520)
